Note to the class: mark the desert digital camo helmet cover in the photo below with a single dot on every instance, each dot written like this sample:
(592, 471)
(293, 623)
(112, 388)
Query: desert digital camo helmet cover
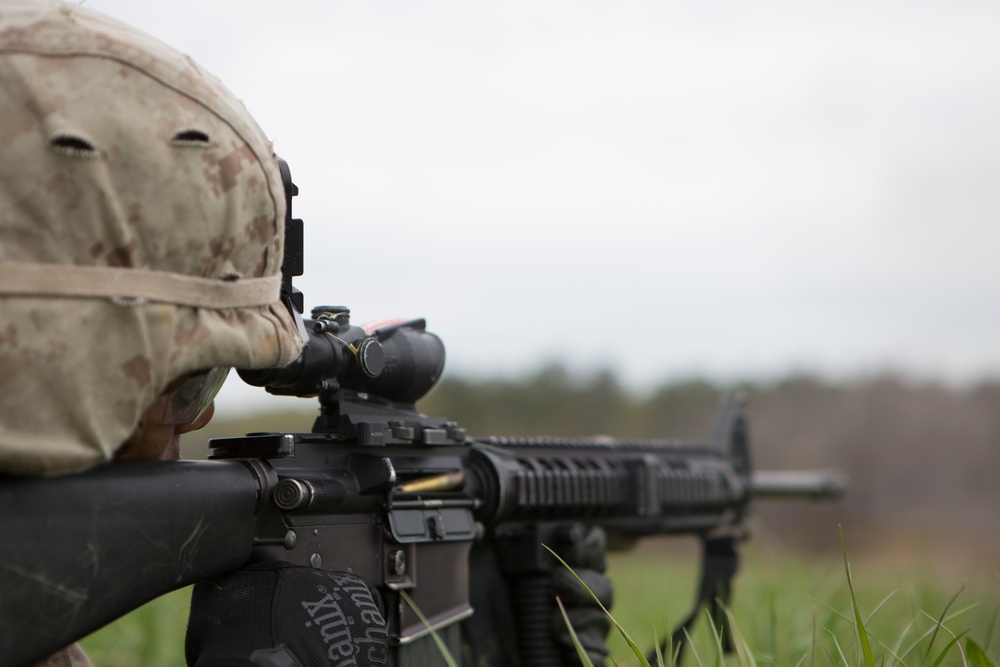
(141, 232)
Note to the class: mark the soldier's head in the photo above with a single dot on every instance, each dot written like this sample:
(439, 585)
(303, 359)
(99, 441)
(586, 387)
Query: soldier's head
(141, 232)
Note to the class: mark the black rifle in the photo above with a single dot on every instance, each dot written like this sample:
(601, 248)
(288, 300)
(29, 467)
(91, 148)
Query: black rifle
(377, 489)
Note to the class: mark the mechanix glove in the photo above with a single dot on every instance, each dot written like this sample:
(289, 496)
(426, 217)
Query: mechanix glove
(591, 624)
(276, 614)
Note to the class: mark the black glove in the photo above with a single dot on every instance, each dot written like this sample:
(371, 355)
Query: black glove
(275, 614)
(591, 624)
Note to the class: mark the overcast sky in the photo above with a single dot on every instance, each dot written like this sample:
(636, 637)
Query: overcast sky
(737, 190)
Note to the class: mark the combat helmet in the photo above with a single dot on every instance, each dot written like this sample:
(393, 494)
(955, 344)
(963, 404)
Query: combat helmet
(141, 232)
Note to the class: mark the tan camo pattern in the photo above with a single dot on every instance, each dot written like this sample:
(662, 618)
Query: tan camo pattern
(71, 656)
(116, 150)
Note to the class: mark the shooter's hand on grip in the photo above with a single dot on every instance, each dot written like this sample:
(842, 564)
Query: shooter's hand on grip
(275, 614)
(590, 623)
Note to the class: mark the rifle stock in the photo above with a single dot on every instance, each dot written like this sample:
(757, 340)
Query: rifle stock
(80, 551)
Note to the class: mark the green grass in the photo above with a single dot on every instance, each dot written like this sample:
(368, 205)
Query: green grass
(787, 610)
(790, 610)
(151, 636)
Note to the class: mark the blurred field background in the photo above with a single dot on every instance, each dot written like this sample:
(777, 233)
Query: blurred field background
(919, 521)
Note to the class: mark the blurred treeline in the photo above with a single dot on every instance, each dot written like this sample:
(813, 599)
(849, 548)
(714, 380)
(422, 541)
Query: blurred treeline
(922, 457)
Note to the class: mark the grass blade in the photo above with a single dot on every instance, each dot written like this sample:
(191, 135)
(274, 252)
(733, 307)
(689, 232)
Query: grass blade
(628, 640)
(717, 636)
(940, 620)
(743, 650)
(899, 642)
(927, 633)
(659, 650)
(445, 653)
(889, 650)
(580, 652)
(814, 639)
(694, 651)
(948, 647)
(859, 625)
(989, 633)
(834, 613)
(976, 656)
(836, 645)
(880, 605)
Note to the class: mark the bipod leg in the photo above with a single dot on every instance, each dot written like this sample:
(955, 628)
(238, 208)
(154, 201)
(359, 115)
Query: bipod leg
(719, 562)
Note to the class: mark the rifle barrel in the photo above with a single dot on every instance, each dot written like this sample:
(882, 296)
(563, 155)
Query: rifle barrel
(809, 484)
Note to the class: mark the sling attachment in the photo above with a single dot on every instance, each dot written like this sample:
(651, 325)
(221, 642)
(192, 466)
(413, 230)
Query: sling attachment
(719, 562)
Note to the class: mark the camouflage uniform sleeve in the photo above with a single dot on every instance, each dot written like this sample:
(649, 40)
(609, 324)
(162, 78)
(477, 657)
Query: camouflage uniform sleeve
(71, 656)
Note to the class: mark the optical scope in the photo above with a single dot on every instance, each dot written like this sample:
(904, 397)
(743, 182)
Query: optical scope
(397, 360)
